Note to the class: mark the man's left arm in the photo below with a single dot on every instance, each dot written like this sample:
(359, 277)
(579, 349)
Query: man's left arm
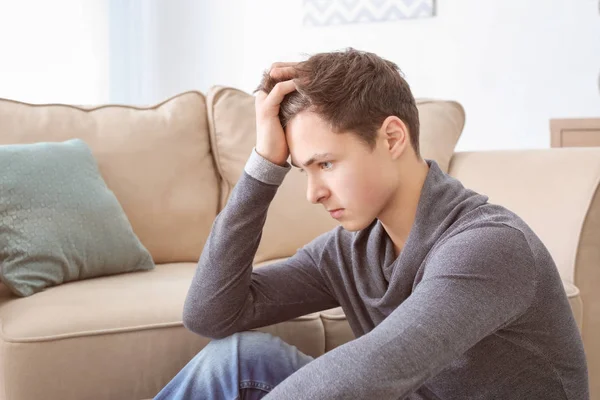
(475, 283)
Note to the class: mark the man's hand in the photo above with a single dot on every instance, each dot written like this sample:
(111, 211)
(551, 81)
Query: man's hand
(270, 137)
(284, 70)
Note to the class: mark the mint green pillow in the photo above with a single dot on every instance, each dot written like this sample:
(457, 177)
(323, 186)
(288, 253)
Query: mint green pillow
(59, 222)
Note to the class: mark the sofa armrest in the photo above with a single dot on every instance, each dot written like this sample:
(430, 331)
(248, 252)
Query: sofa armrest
(553, 190)
(556, 191)
(574, 297)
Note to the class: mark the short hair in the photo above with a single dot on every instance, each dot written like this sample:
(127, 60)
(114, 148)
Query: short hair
(354, 91)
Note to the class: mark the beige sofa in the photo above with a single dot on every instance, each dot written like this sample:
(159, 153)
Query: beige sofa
(172, 167)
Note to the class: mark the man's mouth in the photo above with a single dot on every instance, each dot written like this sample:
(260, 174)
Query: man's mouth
(336, 213)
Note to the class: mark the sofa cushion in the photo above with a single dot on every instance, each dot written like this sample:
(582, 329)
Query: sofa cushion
(292, 221)
(113, 337)
(58, 220)
(442, 123)
(155, 159)
(337, 329)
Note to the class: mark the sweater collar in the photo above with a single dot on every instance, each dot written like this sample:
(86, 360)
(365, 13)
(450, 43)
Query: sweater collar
(442, 202)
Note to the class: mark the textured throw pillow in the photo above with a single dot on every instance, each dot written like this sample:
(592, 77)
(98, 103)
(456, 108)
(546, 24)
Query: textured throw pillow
(59, 222)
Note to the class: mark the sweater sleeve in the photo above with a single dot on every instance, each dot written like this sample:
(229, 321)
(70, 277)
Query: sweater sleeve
(474, 284)
(226, 295)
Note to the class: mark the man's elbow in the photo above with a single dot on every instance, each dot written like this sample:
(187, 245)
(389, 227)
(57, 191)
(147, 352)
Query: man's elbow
(202, 325)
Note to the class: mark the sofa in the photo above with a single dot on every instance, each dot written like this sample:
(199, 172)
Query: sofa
(172, 167)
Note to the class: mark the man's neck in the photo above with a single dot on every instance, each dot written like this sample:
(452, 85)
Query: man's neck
(399, 215)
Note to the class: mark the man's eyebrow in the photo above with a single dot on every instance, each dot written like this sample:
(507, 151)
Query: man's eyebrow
(313, 159)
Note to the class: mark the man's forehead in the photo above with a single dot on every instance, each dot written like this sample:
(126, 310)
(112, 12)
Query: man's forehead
(315, 157)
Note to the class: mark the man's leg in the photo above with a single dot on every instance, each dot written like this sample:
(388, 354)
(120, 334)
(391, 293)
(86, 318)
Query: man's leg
(244, 366)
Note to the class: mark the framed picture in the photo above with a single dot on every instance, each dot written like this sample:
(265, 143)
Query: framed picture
(341, 12)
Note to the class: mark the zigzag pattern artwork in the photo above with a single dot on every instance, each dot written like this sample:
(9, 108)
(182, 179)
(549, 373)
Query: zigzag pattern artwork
(340, 12)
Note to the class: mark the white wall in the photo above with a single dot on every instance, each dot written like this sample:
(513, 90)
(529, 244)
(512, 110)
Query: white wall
(513, 64)
(54, 51)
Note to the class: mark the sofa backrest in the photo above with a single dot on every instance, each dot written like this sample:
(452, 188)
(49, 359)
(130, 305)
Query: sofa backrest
(157, 160)
(292, 221)
(172, 166)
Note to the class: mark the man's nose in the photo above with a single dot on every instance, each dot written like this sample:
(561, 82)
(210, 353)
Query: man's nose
(316, 192)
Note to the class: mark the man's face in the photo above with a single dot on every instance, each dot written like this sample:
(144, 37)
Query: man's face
(343, 173)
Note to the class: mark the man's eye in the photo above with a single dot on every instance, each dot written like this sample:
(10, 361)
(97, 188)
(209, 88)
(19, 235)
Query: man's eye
(326, 165)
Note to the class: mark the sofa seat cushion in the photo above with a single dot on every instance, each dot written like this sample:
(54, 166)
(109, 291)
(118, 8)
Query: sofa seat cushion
(337, 329)
(113, 337)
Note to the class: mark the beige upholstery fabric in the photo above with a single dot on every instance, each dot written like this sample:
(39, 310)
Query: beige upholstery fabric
(292, 221)
(156, 160)
(556, 192)
(116, 337)
(574, 296)
(337, 329)
(442, 123)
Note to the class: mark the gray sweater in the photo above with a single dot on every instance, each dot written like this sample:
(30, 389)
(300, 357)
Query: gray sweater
(472, 308)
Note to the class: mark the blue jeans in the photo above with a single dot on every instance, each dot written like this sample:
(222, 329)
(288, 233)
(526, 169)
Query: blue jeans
(243, 366)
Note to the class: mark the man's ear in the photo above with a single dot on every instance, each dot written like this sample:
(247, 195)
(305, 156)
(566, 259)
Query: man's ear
(396, 136)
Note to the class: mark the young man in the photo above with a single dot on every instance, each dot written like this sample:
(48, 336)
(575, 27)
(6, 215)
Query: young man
(449, 297)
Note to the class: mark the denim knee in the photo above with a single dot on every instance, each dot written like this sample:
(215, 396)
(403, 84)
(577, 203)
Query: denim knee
(255, 348)
(247, 337)
(250, 345)
(244, 365)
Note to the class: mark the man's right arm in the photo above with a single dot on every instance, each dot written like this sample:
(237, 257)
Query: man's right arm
(226, 295)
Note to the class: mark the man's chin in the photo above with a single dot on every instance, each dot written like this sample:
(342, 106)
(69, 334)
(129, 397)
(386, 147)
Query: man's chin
(353, 226)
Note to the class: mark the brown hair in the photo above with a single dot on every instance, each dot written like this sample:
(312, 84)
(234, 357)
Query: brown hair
(354, 91)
